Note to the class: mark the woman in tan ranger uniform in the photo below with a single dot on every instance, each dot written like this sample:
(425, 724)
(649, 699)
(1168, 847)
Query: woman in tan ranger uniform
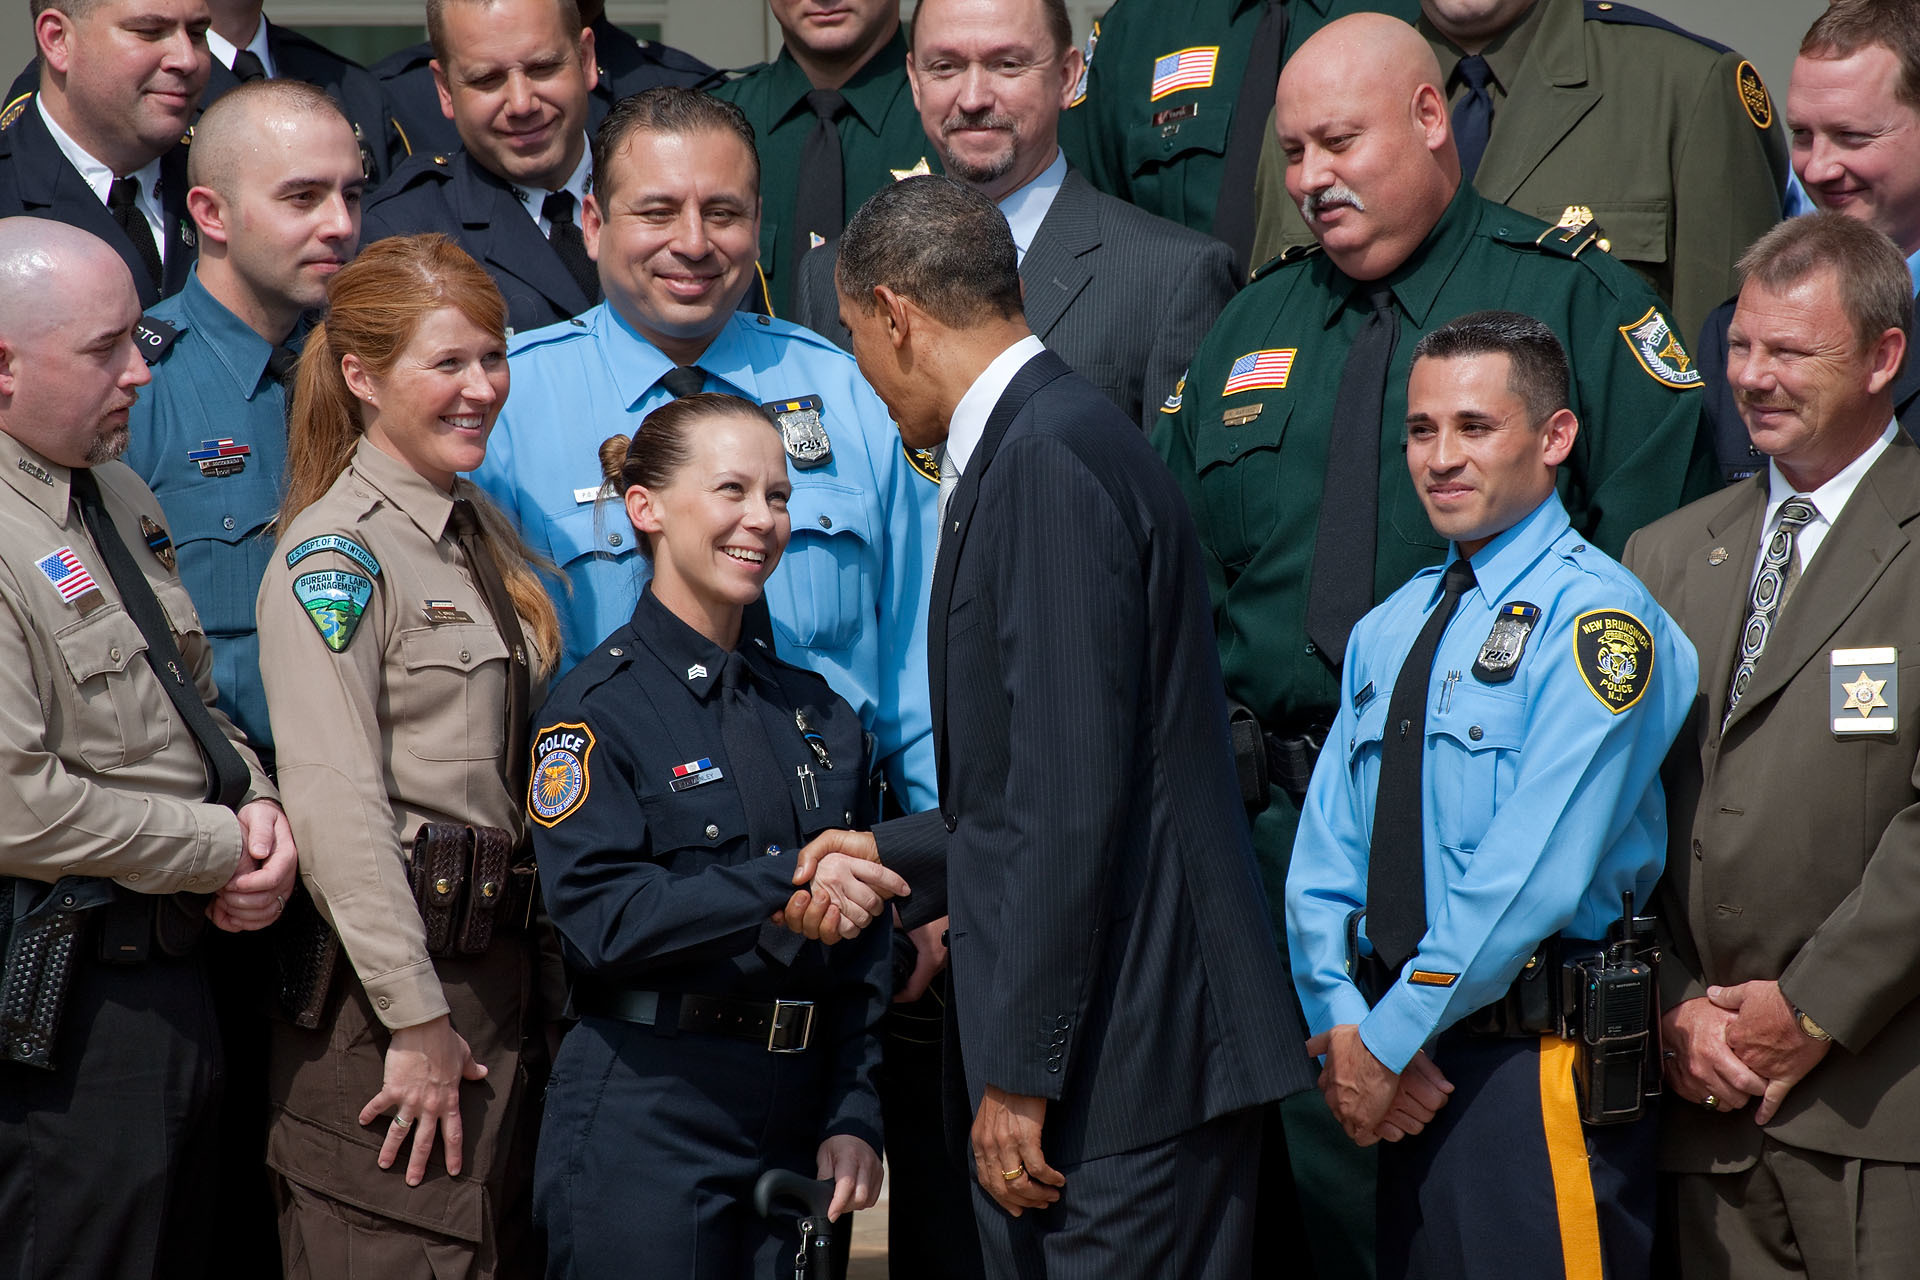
(402, 638)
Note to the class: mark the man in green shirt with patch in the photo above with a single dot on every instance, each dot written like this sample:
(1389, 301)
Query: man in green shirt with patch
(835, 122)
(1286, 435)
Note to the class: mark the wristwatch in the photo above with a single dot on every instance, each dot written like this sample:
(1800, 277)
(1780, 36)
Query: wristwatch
(1808, 1025)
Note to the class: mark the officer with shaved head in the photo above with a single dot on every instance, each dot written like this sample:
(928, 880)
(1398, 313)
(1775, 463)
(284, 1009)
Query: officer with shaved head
(132, 813)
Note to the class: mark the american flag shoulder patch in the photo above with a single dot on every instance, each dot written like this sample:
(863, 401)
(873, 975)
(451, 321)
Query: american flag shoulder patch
(68, 576)
(1183, 69)
(1258, 370)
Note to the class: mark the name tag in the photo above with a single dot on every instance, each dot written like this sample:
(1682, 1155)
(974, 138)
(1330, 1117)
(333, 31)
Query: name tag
(582, 497)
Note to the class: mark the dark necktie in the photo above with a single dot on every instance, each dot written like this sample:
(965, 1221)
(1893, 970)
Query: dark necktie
(281, 363)
(1778, 567)
(571, 247)
(1473, 114)
(465, 523)
(247, 65)
(819, 206)
(1396, 863)
(1233, 207)
(683, 380)
(227, 777)
(1341, 590)
(762, 787)
(123, 202)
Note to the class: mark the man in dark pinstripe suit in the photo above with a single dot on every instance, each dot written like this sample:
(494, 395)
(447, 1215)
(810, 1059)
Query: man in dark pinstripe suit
(1119, 1003)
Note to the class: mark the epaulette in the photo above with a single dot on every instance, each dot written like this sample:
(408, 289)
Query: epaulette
(546, 335)
(154, 337)
(1627, 15)
(779, 328)
(1573, 234)
(1287, 257)
(13, 110)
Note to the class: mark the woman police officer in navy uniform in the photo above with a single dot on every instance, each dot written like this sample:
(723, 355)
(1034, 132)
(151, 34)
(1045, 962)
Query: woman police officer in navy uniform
(677, 770)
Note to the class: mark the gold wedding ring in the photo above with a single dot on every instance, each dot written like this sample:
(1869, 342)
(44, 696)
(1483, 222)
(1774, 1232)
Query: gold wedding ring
(1712, 1102)
(1011, 1174)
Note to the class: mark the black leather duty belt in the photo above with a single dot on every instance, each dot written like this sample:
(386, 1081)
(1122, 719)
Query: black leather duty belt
(778, 1026)
(1263, 759)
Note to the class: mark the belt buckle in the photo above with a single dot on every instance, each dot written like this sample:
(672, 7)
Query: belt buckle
(786, 1013)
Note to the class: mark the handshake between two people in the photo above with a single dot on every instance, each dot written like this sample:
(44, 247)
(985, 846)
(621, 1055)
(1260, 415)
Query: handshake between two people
(843, 887)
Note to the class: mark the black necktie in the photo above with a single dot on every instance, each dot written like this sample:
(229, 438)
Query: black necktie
(819, 206)
(227, 776)
(564, 235)
(282, 361)
(465, 523)
(1473, 114)
(247, 65)
(1233, 207)
(683, 380)
(1341, 590)
(1396, 863)
(762, 787)
(123, 202)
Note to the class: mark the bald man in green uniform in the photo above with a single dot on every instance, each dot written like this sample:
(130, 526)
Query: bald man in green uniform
(1667, 143)
(1286, 434)
(835, 100)
(1158, 115)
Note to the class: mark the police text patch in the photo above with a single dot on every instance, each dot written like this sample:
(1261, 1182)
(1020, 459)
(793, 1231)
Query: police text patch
(334, 600)
(1614, 652)
(1657, 348)
(562, 754)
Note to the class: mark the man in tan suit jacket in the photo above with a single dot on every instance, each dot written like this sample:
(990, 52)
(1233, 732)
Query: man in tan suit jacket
(1791, 900)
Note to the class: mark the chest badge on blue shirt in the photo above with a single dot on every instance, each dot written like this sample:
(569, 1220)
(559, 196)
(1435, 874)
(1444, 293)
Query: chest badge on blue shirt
(1865, 690)
(1614, 652)
(222, 457)
(157, 540)
(1500, 655)
(562, 754)
(802, 431)
(694, 773)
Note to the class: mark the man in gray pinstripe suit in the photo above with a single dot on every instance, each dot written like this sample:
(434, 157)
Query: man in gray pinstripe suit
(1122, 296)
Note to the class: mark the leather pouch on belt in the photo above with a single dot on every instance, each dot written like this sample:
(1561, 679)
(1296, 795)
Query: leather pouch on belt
(442, 852)
(486, 891)
(305, 953)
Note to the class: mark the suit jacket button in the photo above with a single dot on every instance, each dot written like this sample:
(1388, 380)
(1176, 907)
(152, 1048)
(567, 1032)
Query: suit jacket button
(952, 822)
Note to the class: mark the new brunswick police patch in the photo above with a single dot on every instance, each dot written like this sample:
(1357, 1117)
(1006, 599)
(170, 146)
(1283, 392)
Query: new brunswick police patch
(1614, 652)
(562, 755)
(925, 462)
(334, 600)
(1658, 349)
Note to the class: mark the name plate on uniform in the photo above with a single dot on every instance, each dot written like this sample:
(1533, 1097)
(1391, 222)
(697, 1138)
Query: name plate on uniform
(1864, 690)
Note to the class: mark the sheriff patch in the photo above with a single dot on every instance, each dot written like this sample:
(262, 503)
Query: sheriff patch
(334, 542)
(157, 540)
(334, 600)
(1173, 402)
(1500, 655)
(1086, 67)
(1657, 348)
(802, 431)
(1753, 95)
(925, 463)
(562, 754)
(1614, 652)
(1864, 690)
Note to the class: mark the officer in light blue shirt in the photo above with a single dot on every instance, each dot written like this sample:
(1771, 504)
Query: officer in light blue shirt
(1471, 826)
(277, 181)
(673, 223)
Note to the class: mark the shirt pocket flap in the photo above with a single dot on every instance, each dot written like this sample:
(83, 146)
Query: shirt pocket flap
(1217, 444)
(1369, 727)
(1487, 722)
(181, 615)
(461, 646)
(1150, 144)
(818, 507)
(592, 528)
(107, 641)
(708, 816)
(214, 510)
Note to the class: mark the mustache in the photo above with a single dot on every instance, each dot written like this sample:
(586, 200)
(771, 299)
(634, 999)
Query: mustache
(982, 119)
(1316, 202)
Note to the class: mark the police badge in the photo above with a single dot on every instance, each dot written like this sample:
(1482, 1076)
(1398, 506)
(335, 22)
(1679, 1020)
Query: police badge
(1500, 655)
(801, 429)
(157, 540)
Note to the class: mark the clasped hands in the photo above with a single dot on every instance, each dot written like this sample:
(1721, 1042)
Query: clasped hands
(1735, 1044)
(1371, 1102)
(844, 887)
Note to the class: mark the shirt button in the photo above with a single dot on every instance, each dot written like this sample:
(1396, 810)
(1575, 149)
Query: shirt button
(614, 539)
(227, 523)
(132, 876)
(114, 654)
(952, 822)
(614, 653)
(826, 522)
(713, 832)
(385, 1002)
(847, 817)
(465, 656)
(1476, 732)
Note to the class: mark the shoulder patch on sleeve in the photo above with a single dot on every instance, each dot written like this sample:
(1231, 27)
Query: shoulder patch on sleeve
(335, 542)
(923, 461)
(335, 601)
(1614, 652)
(1173, 402)
(1753, 95)
(1657, 347)
(1086, 67)
(12, 110)
(154, 336)
(562, 757)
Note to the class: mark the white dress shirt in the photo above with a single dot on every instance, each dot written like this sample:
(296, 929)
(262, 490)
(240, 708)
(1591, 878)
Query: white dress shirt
(531, 198)
(1828, 501)
(1026, 207)
(226, 50)
(971, 414)
(100, 178)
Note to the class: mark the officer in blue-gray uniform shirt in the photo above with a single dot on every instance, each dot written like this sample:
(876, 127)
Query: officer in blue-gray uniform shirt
(1489, 791)
(674, 221)
(276, 183)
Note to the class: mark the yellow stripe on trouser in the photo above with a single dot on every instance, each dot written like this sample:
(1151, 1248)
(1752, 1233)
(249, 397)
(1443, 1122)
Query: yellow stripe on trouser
(1567, 1158)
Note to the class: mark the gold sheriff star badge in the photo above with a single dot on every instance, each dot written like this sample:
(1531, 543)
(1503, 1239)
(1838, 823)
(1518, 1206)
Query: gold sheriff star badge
(1863, 694)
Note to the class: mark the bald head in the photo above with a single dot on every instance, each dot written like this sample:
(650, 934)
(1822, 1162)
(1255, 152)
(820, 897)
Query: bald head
(1364, 128)
(237, 132)
(69, 368)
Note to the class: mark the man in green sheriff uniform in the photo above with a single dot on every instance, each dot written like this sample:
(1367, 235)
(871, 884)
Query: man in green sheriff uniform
(1249, 436)
(836, 98)
(1157, 114)
(1591, 111)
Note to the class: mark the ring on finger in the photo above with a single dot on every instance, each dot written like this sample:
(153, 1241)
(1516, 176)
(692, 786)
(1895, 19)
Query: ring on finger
(1014, 1173)
(402, 1123)
(1711, 1102)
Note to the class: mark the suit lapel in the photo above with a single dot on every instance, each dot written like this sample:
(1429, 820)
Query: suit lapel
(1056, 270)
(511, 241)
(1855, 552)
(1033, 375)
(1551, 95)
(182, 242)
(1714, 586)
(49, 181)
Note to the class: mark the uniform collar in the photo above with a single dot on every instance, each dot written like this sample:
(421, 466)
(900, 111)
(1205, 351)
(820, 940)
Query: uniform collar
(688, 654)
(1502, 562)
(1505, 55)
(39, 481)
(95, 173)
(533, 199)
(410, 492)
(869, 93)
(226, 50)
(1417, 282)
(241, 351)
(635, 365)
